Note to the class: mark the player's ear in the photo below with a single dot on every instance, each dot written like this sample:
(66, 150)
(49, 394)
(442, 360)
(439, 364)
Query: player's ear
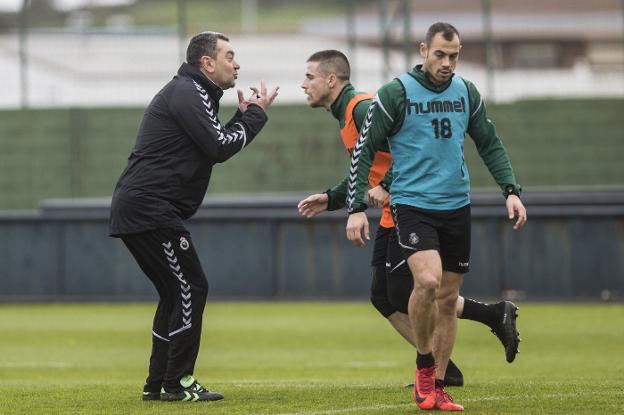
(423, 50)
(331, 80)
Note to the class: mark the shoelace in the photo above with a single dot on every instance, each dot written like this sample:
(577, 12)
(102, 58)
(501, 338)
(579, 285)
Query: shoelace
(445, 396)
(426, 383)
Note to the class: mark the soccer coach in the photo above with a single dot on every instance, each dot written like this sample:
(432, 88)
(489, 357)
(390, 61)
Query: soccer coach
(179, 141)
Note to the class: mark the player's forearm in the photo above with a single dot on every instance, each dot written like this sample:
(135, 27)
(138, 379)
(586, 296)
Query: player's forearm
(490, 147)
(493, 154)
(499, 165)
(337, 195)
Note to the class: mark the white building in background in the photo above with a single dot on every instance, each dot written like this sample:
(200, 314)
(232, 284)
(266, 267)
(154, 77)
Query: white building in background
(539, 54)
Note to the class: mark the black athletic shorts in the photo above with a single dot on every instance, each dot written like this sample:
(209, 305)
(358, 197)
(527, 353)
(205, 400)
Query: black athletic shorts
(387, 252)
(381, 245)
(446, 231)
(392, 281)
(396, 265)
(399, 277)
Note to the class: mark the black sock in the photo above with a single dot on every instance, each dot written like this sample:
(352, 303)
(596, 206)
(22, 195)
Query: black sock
(439, 383)
(424, 360)
(487, 314)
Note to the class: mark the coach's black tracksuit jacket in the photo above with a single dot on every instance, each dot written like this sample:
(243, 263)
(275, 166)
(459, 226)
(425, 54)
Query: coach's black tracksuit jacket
(179, 140)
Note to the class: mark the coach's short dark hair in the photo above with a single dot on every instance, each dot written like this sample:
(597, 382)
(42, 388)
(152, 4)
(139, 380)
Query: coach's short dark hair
(203, 44)
(332, 61)
(448, 32)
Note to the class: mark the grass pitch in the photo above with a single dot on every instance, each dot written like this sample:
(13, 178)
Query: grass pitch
(307, 359)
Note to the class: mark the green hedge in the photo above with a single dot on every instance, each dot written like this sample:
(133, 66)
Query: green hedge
(81, 152)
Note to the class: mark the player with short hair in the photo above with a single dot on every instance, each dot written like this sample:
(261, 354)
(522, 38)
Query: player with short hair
(327, 85)
(180, 139)
(422, 117)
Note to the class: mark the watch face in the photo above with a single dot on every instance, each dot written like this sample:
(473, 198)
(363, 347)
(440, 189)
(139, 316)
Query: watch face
(511, 190)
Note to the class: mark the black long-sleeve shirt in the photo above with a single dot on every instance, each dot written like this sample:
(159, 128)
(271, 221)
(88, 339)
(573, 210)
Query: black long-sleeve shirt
(179, 140)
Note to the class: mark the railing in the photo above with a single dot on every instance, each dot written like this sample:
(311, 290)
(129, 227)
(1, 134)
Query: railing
(260, 248)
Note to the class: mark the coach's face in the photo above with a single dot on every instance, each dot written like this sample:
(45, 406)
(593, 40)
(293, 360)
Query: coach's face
(317, 86)
(223, 69)
(440, 57)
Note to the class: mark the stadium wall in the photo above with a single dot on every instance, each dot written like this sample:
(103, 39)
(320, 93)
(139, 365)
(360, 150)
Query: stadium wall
(260, 248)
(80, 152)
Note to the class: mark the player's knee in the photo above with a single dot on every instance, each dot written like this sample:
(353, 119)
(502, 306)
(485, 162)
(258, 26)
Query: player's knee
(447, 303)
(383, 305)
(427, 280)
(378, 291)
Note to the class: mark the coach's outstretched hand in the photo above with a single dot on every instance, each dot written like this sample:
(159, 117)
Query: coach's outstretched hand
(357, 228)
(261, 98)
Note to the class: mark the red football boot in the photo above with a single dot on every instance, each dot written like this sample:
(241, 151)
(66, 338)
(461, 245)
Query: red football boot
(443, 400)
(424, 392)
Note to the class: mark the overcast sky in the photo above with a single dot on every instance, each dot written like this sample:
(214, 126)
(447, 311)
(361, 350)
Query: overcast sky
(13, 5)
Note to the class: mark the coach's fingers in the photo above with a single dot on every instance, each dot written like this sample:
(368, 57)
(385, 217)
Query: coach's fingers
(255, 94)
(273, 93)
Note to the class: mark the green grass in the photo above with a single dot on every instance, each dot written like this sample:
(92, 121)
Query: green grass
(305, 358)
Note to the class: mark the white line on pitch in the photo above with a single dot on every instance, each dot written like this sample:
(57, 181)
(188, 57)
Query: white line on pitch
(490, 398)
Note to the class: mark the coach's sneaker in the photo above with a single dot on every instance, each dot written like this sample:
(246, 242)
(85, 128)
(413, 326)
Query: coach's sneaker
(506, 331)
(443, 400)
(191, 391)
(150, 394)
(424, 393)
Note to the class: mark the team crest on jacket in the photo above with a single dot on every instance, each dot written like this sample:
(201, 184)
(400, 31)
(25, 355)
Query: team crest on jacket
(184, 244)
(413, 238)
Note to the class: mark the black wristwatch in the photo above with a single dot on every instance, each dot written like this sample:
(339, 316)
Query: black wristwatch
(358, 209)
(511, 189)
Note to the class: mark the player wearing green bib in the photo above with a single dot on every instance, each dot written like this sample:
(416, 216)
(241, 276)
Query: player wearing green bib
(422, 117)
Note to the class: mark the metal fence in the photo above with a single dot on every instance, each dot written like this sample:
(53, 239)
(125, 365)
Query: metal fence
(571, 249)
(62, 65)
